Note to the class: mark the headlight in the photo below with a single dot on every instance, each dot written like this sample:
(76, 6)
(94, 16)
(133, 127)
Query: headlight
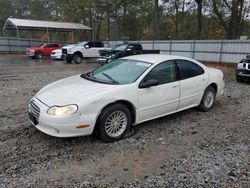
(62, 110)
(112, 56)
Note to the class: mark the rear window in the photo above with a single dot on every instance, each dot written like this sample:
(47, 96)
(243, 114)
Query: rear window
(188, 69)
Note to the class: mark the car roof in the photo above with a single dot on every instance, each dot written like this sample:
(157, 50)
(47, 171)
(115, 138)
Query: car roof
(157, 58)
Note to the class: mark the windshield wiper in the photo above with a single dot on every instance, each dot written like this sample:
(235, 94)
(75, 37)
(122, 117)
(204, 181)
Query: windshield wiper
(109, 77)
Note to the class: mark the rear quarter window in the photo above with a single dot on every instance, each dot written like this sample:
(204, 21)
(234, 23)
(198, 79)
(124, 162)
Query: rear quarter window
(188, 69)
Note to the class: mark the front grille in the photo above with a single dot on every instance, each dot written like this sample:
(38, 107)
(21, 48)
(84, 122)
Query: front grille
(34, 112)
(244, 72)
(64, 51)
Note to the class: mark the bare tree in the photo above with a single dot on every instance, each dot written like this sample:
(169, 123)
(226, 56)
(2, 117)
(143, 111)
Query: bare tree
(229, 14)
(199, 18)
(157, 21)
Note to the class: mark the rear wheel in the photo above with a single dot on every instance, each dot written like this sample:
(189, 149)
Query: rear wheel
(39, 55)
(114, 122)
(77, 58)
(208, 99)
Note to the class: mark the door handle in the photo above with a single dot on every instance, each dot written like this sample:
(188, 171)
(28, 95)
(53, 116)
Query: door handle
(175, 86)
(203, 80)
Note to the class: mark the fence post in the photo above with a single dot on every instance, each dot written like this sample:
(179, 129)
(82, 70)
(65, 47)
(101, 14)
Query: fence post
(170, 47)
(193, 49)
(153, 45)
(221, 50)
(9, 45)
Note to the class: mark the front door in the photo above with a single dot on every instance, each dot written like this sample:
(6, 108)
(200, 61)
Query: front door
(162, 99)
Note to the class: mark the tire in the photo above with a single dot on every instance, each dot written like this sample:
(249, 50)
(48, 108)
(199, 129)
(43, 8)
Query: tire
(207, 100)
(77, 59)
(68, 59)
(113, 123)
(39, 55)
(238, 79)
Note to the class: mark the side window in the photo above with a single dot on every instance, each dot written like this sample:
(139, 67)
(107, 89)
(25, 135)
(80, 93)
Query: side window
(91, 44)
(52, 45)
(99, 44)
(164, 73)
(131, 47)
(188, 69)
(138, 47)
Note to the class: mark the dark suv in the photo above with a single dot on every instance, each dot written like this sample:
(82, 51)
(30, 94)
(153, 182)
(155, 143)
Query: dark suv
(243, 70)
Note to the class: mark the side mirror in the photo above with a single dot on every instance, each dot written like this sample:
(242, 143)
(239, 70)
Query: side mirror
(130, 50)
(87, 46)
(149, 83)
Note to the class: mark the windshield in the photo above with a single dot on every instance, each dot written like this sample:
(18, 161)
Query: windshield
(120, 47)
(81, 43)
(43, 45)
(120, 71)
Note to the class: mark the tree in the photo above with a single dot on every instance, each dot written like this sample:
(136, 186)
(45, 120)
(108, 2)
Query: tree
(229, 14)
(199, 18)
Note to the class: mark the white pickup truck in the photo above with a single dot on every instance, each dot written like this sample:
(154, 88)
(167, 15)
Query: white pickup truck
(81, 50)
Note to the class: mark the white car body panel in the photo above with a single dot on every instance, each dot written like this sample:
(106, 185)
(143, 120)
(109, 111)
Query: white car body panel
(57, 54)
(92, 97)
(190, 96)
(86, 52)
(158, 100)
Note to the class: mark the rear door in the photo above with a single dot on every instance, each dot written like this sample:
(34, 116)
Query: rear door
(193, 81)
(162, 99)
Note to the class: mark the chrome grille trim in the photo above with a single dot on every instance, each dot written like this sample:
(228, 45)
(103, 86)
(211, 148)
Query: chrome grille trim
(34, 109)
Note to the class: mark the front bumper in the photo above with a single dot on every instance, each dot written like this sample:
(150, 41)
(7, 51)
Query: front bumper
(30, 54)
(61, 126)
(104, 60)
(56, 56)
(243, 73)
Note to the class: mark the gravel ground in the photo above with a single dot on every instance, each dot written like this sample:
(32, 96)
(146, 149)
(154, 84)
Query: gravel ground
(187, 149)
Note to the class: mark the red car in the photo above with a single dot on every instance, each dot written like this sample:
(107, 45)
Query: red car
(43, 50)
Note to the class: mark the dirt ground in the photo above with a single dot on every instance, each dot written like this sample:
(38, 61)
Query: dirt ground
(187, 149)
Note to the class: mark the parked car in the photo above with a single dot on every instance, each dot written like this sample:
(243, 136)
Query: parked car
(43, 50)
(57, 54)
(124, 92)
(123, 50)
(83, 50)
(243, 70)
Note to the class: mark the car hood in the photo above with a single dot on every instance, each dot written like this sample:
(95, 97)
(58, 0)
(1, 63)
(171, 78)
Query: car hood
(58, 50)
(68, 46)
(71, 90)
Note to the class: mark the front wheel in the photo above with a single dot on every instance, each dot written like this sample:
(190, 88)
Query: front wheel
(114, 122)
(207, 100)
(238, 79)
(39, 55)
(77, 58)
(68, 59)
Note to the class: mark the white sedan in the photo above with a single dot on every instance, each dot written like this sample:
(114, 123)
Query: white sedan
(125, 92)
(57, 54)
